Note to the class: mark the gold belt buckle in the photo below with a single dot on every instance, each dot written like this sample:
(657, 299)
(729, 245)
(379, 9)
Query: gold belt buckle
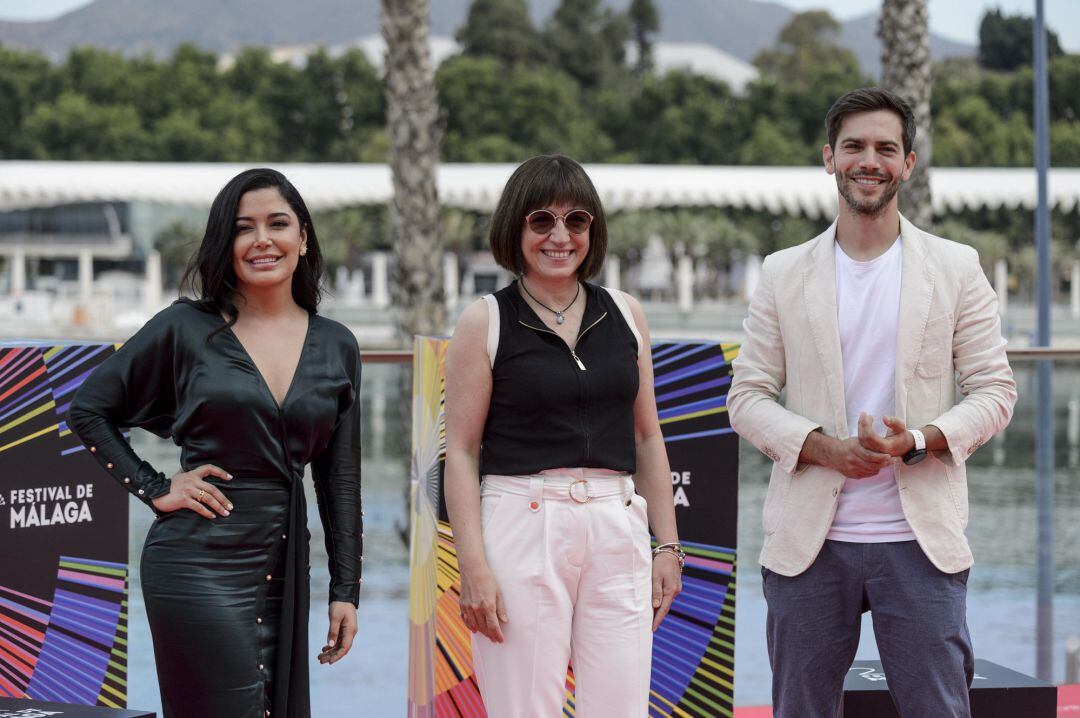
(576, 495)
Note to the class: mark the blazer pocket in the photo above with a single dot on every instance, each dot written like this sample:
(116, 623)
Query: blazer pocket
(775, 501)
(935, 355)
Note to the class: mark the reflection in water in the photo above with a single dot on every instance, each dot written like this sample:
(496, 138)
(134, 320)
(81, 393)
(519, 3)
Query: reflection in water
(1001, 599)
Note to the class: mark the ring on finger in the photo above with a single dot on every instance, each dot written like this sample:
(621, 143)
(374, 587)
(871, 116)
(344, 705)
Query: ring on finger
(200, 495)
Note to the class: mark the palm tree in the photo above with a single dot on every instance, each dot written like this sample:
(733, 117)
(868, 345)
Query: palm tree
(412, 115)
(906, 70)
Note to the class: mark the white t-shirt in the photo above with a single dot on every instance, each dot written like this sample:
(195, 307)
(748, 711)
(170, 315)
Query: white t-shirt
(868, 312)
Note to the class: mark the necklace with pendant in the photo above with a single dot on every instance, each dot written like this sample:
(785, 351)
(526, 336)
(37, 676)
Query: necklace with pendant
(559, 318)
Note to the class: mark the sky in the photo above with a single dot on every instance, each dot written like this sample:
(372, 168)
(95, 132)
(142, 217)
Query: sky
(955, 19)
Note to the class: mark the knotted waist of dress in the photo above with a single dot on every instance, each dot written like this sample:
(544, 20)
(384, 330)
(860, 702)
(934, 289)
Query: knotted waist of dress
(580, 485)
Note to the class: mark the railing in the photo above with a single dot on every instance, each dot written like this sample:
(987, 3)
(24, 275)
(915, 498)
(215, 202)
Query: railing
(396, 356)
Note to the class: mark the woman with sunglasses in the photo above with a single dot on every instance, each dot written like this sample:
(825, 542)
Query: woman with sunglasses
(555, 464)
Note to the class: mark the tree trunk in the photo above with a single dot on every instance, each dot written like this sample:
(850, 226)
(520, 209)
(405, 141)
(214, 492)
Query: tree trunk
(413, 127)
(906, 70)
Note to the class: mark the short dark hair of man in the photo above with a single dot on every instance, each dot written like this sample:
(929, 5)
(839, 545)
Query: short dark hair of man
(538, 183)
(870, 99)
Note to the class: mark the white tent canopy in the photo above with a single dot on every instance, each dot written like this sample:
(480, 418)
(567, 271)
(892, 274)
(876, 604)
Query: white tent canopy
(793, 190)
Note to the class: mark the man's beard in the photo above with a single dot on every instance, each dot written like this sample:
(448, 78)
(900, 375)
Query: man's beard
(867, 208)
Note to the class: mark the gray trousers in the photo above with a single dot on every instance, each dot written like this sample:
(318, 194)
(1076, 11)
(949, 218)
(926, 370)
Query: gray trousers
(920, 626)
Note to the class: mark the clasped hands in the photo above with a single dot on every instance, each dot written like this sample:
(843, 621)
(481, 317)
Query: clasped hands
(865, 455)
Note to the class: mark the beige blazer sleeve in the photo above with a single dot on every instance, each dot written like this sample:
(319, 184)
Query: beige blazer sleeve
(981, 368)
(759, 376)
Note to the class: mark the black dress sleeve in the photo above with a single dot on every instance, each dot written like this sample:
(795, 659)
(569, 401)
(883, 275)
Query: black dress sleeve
(336, 471)
(134, 387)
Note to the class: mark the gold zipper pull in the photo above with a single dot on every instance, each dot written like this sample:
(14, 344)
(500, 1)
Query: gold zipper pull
(580, 365)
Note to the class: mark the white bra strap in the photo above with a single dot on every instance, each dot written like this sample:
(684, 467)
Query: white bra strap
(628, 316)
(493, 328)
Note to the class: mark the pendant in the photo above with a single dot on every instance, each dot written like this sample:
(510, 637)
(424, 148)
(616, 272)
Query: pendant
(559, 318)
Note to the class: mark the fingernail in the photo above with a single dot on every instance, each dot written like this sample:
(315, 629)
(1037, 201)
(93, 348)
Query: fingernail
(228, 476)
(229, 506)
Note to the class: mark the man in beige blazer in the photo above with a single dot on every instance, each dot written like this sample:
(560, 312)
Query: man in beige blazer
(869, 327)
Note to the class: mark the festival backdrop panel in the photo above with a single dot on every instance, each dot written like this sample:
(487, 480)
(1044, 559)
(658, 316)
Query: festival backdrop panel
(64, 532)
(694, 649)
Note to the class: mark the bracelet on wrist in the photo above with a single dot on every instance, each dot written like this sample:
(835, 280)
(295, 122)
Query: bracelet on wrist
(675, 549)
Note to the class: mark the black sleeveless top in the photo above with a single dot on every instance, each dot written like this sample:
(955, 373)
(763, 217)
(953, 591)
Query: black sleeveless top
(552, 408)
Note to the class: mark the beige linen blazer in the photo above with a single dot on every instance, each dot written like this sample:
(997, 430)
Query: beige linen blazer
(949, 333)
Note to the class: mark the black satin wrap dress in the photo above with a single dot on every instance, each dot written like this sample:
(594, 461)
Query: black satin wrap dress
(227, 599)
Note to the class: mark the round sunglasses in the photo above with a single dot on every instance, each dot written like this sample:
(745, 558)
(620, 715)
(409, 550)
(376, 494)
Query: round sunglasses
(543, 221)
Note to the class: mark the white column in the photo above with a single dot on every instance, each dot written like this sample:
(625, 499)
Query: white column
(17, 262)
(684, 281)
(1074, 290)
(358, 286)
(352, 292)
(612, 273)
(152, 291)
(86, 276)
(751, 275)
(341, 280)
(380, 288)
(1001, 285)
(450, 280)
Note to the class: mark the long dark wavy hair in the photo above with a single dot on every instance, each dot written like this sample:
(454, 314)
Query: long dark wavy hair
(210, 277)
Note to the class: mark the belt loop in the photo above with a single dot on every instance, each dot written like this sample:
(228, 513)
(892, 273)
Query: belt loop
(628, 490)
(536, 493)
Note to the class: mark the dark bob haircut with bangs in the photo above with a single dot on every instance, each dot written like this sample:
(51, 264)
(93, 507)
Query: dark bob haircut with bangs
(538, 183)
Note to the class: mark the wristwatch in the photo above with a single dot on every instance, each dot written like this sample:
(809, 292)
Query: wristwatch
(919, 452)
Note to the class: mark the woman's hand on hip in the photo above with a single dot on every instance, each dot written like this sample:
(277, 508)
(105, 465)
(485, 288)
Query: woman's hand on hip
(339, 638)
(190, 490)
(666, 585)
(482, 606)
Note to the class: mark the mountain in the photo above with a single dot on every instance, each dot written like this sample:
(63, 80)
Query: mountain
(860, 34)
(738, 27)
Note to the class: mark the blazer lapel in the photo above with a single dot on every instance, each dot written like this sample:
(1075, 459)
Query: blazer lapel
(916, 291)
(819, 294)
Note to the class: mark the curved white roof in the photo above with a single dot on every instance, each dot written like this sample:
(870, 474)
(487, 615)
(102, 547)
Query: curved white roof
(807, 190)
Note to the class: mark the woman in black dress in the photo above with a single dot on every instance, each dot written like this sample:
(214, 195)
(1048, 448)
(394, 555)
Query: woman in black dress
(253, 385)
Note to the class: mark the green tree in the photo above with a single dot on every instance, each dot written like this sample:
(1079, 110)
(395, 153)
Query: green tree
(770, 143)
(1005, 41)
(1065, 143)
(587, 43)
(677, 118)
(338, 102)
(804, 74)
(346, 234)
(26, 80)
(177, 242)
(73, 128)
(644, 20)
(501, 29)
(182, 136)
(495, 114)
(101, 76)
(1064, 78)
